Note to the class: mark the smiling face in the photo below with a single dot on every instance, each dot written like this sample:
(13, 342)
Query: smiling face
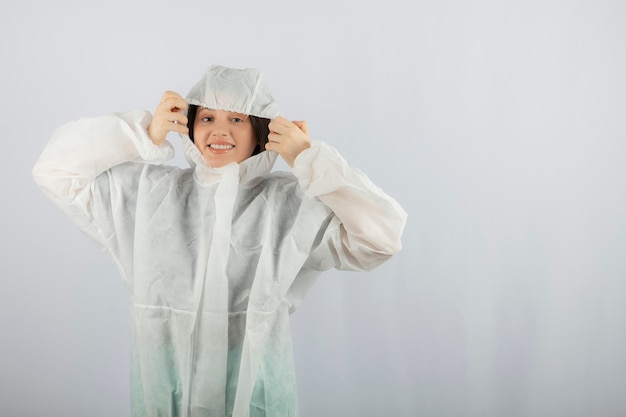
(223, 136)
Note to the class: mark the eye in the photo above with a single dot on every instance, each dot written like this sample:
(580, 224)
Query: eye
(207, 119)
(237, 120)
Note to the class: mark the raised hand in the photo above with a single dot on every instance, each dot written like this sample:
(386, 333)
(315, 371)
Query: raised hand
(168, 117)
(288, 138)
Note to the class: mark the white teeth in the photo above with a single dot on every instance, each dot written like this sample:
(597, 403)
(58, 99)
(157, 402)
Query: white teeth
(220, 147)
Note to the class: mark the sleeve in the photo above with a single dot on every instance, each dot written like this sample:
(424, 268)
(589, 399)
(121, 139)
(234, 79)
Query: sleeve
(74, 169)
(368, 224)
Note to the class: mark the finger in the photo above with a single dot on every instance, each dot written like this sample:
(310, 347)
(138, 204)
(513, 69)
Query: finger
(172, 103)
(166, 126)
(170, 94)
(281, 121)
(173, 123)
(177, 117)
(274, 127)
(271, 146)
(170, 99)
(302, 126)
(171, 116)
(280, 127)
(274, 137)
(180, 129)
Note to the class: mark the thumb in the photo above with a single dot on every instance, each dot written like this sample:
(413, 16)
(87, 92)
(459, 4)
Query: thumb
(302, 125)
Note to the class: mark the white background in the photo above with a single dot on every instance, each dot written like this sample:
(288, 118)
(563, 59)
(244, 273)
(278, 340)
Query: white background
(499, 126)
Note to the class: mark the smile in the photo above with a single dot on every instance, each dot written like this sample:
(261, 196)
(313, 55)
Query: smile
(221, 147)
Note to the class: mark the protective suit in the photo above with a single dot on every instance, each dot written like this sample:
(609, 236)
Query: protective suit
(215, 259)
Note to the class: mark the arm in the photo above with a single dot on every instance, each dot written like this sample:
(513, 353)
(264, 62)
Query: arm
(370, 223)
(80, 152)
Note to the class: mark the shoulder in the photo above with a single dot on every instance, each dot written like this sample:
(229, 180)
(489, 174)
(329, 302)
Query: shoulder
(283, 189)
(280, 182)
(152, 171)
(275, 188)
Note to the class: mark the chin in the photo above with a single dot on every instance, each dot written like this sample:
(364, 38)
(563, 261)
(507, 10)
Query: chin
(218, 163)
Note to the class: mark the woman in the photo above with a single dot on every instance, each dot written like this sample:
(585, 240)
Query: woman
(216, 256)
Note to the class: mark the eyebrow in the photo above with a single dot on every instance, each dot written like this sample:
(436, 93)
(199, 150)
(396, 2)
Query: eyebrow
(245, 116)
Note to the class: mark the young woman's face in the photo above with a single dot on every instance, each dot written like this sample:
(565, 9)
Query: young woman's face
(223, 137)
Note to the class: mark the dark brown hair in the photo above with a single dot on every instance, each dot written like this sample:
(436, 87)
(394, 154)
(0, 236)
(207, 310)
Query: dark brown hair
(260, 127)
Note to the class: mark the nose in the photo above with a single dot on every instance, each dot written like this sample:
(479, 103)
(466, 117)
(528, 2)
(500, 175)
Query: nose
(219, 132)
(220, 128)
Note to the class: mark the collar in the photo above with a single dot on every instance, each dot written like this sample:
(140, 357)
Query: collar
(256, 166)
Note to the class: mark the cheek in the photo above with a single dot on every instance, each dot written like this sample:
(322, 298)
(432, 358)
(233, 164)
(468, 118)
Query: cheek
(199, 139)
(250, 140)
(199, 134)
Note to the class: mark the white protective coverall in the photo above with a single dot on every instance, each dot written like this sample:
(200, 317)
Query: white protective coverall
(215, 259)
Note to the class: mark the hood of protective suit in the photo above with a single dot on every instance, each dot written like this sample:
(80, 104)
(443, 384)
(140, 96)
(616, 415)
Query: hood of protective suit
(237, 90)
